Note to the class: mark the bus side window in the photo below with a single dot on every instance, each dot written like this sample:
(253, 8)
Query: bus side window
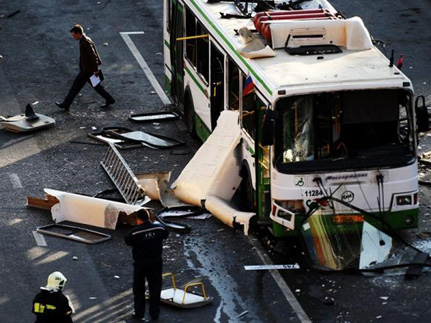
(190, 31)
(202, 49)
(233, 86)
(249, 103)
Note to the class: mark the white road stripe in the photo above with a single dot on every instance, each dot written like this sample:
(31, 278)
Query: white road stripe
(144, 65)
(16, 182)
(40, 240)
(303, 317)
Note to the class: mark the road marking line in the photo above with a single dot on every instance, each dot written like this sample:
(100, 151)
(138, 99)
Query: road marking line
(144, 65)
(16, 182)
(290, 297)
(271, 267)
(40, 240)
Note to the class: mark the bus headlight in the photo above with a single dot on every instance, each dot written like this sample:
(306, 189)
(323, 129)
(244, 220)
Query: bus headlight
(404, 200)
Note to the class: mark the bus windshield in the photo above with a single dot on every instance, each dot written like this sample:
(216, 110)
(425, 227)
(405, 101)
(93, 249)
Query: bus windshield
(346, 129)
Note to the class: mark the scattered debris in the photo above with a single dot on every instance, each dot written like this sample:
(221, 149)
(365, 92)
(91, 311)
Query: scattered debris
(181, 211)
(418, 262)
(107, 137)
(13, 13)
(424, 234)
(181, 297)
(213, 175)
(180, 152)
(74, 233)
(155, 116)
(75, 258)
(329, 301)
(271, 267)
(123, 178)
(85, 210)
(127, 138)
(30, 121)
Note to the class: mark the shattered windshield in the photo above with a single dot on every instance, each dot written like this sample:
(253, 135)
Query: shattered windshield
(344, 129)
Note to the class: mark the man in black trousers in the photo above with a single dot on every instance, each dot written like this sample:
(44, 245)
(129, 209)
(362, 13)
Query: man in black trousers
(146, 241)
(89, 61)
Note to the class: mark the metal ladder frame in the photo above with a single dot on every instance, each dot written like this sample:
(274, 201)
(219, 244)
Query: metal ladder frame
(122, 176)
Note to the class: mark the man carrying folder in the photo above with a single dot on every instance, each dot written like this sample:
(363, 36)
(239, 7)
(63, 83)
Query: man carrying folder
(89, 61)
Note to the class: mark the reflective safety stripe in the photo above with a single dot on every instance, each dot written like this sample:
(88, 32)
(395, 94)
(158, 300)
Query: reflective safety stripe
(39, 308)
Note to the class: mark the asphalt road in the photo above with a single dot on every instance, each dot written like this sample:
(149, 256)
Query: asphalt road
(39, 62)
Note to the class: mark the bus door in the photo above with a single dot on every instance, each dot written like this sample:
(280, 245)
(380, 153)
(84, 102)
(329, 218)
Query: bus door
(176, 50)
(252, 111)
(217, 84)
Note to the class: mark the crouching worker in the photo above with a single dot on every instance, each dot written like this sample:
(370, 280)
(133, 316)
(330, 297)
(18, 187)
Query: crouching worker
(51, 305)
(146, 241)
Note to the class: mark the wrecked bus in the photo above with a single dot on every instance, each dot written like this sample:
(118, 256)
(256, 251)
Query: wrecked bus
(327, 121)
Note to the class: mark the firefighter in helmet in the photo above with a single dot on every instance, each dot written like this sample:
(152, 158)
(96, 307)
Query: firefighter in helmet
(50, 305)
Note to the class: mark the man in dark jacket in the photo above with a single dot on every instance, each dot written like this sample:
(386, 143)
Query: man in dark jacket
(89, 61)
(146, 241)
(50, 305)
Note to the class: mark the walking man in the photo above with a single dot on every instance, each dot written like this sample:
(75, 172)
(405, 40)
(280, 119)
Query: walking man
(89, 61)
(146, 241)
(50, 305)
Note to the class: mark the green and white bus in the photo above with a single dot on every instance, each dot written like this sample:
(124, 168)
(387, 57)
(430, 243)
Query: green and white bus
(329, 124)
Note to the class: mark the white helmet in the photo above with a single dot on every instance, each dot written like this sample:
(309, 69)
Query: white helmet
(56, 281)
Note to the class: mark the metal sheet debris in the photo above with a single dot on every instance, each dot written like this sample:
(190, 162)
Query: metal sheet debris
(88, 210)
(105, 136)
(156, 186)
(183, 298)
(127, 138)
(74, 233)
(227, 214)
(123, 177)
(214, 169)
(30, 121)
(150, 139)
(213, 174)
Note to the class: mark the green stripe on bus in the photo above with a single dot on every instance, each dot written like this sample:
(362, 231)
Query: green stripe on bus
(231, 47)
(167, 44)
(195, 80)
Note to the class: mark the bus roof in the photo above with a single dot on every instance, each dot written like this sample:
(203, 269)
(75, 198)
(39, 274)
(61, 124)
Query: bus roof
(353, 68)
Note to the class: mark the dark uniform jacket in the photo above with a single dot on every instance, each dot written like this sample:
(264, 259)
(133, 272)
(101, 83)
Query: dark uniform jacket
(52, 307)
(89, 59)
(147, 242)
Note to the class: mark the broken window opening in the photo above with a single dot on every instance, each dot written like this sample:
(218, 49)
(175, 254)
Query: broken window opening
(344, 129)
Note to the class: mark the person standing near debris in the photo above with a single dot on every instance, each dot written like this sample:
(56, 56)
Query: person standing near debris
(146, 241)
(89, 61)
(50, 305)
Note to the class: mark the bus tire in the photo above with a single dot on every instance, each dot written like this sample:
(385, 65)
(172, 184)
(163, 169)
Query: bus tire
(189, 115)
